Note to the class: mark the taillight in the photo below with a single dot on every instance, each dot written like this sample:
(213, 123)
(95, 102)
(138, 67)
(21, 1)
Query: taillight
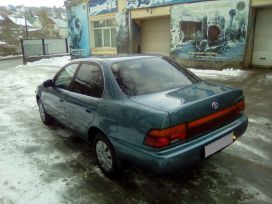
(164, 137)
(241, 106)
(159, 138)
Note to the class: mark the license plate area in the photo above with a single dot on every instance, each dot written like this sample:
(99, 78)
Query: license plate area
(218, 145)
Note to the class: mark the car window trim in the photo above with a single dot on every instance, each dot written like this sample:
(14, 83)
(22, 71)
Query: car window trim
(101, 72)
(186, 71)
(58, 73)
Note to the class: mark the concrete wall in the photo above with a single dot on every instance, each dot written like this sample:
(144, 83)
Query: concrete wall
(250, 40)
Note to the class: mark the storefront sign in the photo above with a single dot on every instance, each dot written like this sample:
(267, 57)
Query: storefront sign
(78, 30)
(134, 4)
(102, 6)
(214, 30)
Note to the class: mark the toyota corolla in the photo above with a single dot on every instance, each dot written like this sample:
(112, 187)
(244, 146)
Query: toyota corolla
(147, 111)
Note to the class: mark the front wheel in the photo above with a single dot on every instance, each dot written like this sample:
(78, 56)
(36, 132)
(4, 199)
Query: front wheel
(105, 156)
(46, 119)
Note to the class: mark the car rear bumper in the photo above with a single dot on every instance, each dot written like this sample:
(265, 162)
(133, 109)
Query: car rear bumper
(180, 156)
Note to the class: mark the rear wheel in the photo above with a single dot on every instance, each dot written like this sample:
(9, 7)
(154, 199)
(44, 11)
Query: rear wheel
(105, 156)
(46, 119)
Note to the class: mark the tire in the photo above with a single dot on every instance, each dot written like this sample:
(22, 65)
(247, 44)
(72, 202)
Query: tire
(46, 119)
(105, 156)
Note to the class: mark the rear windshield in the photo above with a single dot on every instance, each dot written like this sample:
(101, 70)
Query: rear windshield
(149, 75)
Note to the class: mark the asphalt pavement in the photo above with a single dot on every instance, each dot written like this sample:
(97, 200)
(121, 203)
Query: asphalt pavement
(5, 64)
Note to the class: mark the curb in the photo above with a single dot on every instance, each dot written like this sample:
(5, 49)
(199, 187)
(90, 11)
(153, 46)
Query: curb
(9, 58)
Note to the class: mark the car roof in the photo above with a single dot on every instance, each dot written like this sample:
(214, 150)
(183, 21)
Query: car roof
(115, 58)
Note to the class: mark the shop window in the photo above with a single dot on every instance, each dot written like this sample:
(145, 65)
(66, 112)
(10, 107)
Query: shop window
(104, 33)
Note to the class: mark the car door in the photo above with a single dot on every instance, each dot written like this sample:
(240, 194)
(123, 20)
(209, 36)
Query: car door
(81, 102)
(53, 98)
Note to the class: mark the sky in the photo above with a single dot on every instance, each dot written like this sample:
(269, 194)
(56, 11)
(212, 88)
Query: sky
(34, 3)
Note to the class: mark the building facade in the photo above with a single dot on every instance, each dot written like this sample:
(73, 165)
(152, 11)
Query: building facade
(198, 33)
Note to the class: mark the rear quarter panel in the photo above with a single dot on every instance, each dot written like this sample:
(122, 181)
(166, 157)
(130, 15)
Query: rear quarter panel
(128, 122)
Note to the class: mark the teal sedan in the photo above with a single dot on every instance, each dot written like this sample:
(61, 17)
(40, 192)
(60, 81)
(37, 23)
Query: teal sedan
(143, 110)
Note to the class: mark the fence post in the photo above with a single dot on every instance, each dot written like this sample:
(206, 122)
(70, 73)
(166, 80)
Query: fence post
(23, 50)
(66, 43)
(43, 46)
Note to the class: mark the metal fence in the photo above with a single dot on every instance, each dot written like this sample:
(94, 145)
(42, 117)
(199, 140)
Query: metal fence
(33, 50)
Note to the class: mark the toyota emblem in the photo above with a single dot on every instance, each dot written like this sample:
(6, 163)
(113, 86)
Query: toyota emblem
(214, 105)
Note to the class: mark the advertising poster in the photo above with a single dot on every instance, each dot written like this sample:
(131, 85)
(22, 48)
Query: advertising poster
(102, 7)
(214, 30)
(122, 33)
(78, 30)
(134, 4)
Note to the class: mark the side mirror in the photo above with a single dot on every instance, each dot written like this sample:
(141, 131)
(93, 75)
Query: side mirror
(48, 83)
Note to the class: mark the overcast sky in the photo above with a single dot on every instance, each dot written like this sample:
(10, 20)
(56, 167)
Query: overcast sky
(48, 3)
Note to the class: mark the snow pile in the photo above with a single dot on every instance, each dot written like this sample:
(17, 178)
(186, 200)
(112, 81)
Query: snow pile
(268, 77)
(54, 61)
(225, 73)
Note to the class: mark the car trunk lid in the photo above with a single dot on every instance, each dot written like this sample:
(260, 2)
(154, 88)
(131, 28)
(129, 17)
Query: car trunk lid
(192, 102)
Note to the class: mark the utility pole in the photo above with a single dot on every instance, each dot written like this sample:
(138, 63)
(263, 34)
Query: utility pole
(26, 28)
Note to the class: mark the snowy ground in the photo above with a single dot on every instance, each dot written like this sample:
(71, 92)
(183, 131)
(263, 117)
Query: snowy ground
(51, 165)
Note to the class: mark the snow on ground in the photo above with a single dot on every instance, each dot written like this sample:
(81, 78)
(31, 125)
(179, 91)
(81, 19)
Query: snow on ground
(20, 179)
(54, 61)
(260, 120)
(268, 77)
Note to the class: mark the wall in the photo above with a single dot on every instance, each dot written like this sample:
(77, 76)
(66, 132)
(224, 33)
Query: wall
(150, 12)
(139, 14)
(210, 34)
(225, 56)
(261, 3)
(250, 42)
(103, 15)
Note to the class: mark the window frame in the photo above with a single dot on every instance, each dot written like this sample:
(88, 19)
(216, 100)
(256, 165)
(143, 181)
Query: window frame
(102, 75)
(60, 71)
(102, 28)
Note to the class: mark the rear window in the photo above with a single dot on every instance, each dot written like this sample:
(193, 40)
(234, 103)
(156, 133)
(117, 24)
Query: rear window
(149, 75)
